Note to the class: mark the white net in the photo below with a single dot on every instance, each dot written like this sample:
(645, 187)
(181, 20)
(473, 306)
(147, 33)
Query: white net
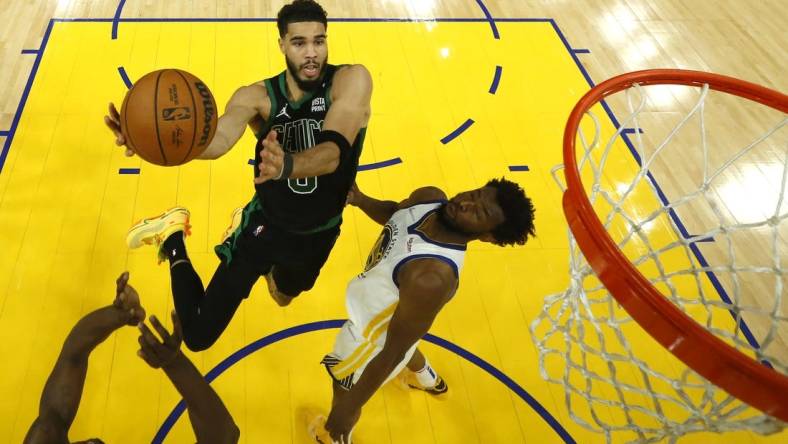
(696, 199)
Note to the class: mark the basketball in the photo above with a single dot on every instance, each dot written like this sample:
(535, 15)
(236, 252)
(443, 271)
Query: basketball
(168, 117)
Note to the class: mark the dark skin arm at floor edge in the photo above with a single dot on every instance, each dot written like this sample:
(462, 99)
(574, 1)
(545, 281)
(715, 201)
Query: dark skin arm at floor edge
(210, 419)
(63, 389)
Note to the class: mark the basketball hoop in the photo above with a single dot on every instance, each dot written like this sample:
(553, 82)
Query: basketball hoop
(718, 357)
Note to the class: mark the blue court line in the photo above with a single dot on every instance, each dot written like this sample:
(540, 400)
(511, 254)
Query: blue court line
(632, 131)
(337, 20)
(125, 77)
(25, 94)
(507, 381)
(490, 19)
(366, 167)
(378, 165)
(581, 51)
(116, 19)
(4, 133)
(231, 360)
(572, 54)
(493, 88)
(31, 76)
(663, 198)
(453, 135)
(129, 171)
(496, 79)
(519, 168)
(31, 51)
(704, 239)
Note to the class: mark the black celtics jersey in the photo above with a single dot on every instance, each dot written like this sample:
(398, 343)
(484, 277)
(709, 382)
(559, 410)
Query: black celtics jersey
(313, 203)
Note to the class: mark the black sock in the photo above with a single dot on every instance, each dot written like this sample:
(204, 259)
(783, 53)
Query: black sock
(187, 291)
(174, 248)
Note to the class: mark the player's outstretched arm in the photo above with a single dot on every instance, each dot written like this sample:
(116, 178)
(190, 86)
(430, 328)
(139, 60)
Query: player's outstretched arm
(349, 112)
(63, 389)
(378, 210)
(112, 121)
(210, 420)
(381, 210)
(244, 105)
(425, 287)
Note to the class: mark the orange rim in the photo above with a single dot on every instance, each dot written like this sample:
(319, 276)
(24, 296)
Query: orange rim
(715, 360)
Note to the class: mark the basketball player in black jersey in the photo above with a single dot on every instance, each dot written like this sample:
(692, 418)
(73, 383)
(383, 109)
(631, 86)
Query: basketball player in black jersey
(310, 123)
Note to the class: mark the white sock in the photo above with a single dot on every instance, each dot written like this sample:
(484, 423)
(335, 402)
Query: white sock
(427, 377)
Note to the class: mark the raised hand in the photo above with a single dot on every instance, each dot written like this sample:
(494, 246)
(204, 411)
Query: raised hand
(272, 161)
(113, 123)
(128, 300)
(354, 196)
(160, 353)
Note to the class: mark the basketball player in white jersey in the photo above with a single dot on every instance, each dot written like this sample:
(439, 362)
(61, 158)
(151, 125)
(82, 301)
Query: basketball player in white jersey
(412, 271)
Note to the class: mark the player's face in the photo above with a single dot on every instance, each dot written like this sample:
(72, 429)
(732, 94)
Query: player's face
(474, 212)
(306, 53)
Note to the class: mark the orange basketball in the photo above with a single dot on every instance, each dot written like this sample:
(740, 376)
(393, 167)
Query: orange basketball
(168, 117)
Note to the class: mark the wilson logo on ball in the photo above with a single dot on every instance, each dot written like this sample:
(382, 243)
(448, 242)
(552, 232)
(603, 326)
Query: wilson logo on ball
(207, 103)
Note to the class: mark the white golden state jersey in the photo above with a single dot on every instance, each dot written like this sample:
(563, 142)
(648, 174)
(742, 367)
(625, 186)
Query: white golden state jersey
(373, 295)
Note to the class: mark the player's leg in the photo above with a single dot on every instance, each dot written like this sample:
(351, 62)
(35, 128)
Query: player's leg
(317, 426)
(166, 232)
(299, 264)
(417, 362)
(344, 346)
(187, 287)
(211, 313)
(338, 393)
(280, 298)
(420, 375)
(203, 314)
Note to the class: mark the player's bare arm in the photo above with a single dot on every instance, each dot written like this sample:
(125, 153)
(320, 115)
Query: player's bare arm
(63, 390)
(378, 210)
(381, 210)
(246, 104)
(349, 112)
(422, 195)
(210, 419)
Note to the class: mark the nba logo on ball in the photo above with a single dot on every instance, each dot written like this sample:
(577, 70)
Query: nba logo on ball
(181, 113)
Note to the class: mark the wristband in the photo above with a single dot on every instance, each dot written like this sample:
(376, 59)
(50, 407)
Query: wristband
(335, 137)
(287, 167)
